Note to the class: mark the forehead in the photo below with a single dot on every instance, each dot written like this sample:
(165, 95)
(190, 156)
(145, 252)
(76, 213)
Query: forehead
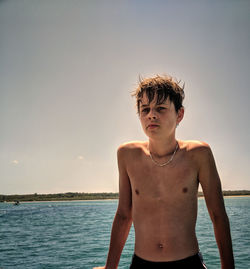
(144, 100)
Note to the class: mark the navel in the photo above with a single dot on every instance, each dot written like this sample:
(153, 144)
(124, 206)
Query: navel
(160, 245)
(185, 190)
(136, 191)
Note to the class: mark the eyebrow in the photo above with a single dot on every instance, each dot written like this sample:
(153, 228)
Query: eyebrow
(145, 105)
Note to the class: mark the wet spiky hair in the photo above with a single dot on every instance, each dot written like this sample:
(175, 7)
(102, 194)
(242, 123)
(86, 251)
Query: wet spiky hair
(161, 86)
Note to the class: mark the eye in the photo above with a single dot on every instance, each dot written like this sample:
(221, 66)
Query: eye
(160, 108)
(145, 110)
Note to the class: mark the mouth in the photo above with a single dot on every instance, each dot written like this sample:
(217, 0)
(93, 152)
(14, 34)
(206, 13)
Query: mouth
(152, 126)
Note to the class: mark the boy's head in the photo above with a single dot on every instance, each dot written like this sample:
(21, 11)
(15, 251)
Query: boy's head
(160, 87)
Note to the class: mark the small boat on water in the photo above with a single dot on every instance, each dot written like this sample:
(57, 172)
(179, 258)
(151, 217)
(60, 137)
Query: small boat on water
(16, 203)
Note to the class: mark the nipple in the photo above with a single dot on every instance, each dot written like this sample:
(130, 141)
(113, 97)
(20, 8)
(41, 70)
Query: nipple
(137, 192)
(185, 190)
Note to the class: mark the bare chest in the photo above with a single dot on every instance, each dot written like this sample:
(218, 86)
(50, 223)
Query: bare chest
(175, 181)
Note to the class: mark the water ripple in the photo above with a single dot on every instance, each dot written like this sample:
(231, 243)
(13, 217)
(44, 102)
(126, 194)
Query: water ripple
(76, 234)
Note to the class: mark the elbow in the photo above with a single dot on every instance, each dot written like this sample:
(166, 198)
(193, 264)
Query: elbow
(219, 217)
(124, 216)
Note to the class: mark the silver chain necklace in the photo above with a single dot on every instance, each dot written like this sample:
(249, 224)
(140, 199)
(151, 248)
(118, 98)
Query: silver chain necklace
(166, 163)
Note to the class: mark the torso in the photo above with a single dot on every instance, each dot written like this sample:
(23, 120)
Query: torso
(164, 203)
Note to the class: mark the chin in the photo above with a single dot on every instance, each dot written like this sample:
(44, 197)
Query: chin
(152, 134)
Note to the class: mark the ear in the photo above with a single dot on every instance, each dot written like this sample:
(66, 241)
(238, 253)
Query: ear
(180, 115)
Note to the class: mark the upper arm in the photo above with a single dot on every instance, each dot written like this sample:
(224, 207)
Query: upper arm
(125, 195)
(210, 182)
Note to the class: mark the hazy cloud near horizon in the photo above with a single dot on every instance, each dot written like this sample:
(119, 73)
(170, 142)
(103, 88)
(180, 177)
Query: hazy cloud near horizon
(67, 70)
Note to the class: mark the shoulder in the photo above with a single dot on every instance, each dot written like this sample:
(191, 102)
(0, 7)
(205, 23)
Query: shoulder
(131, 149)
(128, 152)
(200, 151)
(195, 146)
(131, 146)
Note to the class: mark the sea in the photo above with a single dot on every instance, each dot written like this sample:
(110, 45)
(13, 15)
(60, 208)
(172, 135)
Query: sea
(76, 234)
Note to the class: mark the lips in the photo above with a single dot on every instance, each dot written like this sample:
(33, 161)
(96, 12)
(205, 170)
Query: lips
(151, 126)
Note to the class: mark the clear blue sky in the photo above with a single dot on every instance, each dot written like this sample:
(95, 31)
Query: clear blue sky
(67, 69)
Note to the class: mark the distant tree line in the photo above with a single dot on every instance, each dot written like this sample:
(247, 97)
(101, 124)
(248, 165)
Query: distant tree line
(231, 193)
(68, 196)
(58, 197)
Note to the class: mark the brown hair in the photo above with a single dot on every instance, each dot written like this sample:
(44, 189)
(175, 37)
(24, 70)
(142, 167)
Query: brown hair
(164, 87)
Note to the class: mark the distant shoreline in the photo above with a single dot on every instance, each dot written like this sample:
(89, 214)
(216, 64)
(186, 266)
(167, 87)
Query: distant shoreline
(68, 196)
(96, 200)
(76, 196)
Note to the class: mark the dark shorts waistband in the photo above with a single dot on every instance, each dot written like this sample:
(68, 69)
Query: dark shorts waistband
(194, 262)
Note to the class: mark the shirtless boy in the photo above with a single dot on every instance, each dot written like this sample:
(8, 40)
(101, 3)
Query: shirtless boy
(158, 185)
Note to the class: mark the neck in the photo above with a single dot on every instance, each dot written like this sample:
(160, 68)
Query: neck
(162, 147)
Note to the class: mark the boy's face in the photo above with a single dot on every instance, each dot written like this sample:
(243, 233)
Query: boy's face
(159, 119)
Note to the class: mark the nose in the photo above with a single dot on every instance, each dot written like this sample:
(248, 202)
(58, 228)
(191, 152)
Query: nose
(152, 115)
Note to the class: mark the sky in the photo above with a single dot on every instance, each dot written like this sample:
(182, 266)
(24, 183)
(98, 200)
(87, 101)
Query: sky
(67, 70)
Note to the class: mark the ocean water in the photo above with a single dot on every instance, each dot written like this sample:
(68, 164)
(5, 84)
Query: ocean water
(76, 234)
